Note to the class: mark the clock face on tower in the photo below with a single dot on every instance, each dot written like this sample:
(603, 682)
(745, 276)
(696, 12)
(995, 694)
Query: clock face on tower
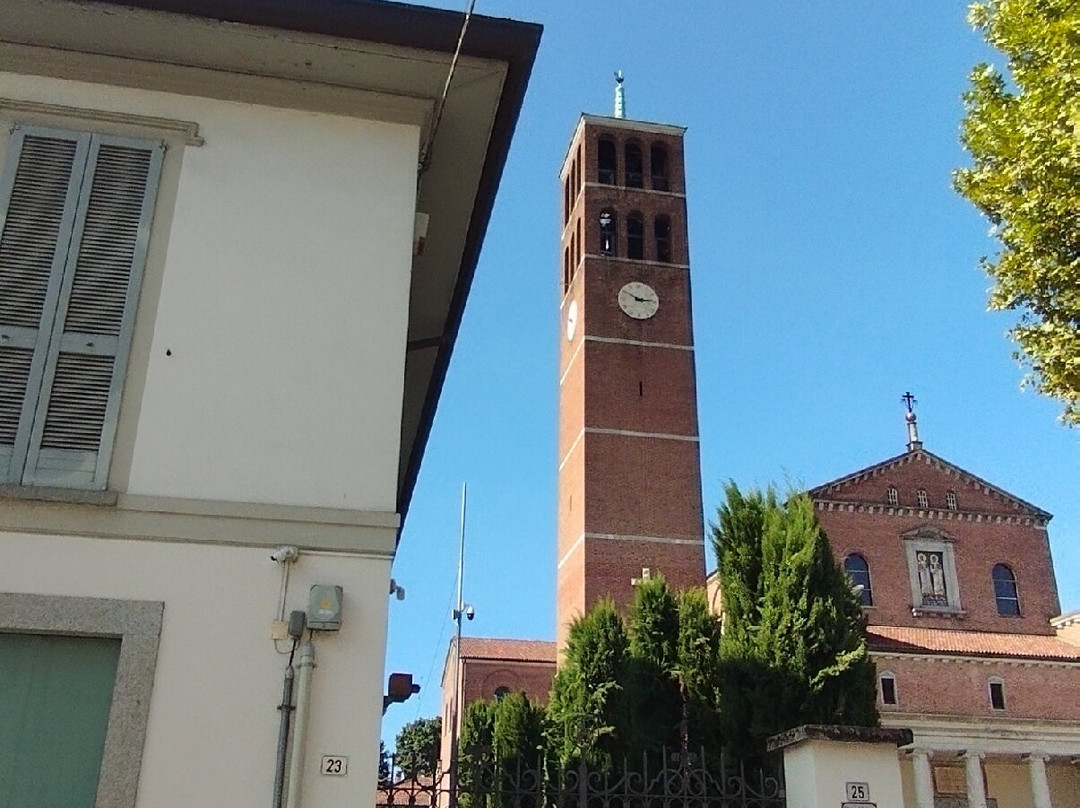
(638, 300)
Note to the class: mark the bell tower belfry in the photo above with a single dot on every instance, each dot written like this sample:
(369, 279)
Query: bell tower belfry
(629, 465)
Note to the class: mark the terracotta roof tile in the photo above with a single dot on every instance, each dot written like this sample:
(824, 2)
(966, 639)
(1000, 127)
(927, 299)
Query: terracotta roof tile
(516, 650)
(969, 643)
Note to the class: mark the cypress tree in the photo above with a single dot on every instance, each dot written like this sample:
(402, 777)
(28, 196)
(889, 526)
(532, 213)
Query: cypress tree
(587, 706)
(793, 650)
(698, 671)
(652, 694)
(475, 746)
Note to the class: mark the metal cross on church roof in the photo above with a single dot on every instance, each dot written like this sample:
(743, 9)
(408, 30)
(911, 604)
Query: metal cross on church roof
(912, 427)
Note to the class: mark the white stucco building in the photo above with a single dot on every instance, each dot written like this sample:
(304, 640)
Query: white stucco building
(216, 337)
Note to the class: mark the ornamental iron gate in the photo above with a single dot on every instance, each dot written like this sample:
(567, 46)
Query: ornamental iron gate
(683, 781)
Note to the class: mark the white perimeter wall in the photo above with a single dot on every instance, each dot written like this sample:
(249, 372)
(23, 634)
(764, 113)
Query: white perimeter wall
(279, 281)
(213, 721)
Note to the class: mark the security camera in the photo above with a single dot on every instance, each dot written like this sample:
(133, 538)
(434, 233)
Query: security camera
(470, 613)
(285, 553)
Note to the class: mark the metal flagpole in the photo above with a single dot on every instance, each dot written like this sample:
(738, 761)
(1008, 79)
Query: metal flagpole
(459, 611)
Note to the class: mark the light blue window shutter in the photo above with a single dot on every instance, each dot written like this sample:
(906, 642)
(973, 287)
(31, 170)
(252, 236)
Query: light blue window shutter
(76, 414)
(39, 190)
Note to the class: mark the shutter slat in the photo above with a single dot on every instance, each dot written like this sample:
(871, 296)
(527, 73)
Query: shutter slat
(80, 391)
(109, 241)
(32, 226)
(14, 373)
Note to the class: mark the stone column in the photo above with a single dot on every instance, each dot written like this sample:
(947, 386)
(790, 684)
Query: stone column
(976, 786)
(1040, 788)
(924, 778)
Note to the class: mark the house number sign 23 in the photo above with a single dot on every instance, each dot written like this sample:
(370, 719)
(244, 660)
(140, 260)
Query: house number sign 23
(334, 765)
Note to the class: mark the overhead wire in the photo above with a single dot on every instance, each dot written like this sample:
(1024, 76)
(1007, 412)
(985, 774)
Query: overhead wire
(440, 106)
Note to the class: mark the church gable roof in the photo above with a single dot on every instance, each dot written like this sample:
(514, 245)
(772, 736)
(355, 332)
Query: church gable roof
(922, 470)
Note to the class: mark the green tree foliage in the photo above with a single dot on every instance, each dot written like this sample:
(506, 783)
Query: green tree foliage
(417, 747)
(628, 688)
(1023, 134)
(499, 741)
(697, 670)
(517, 741)
(475, 746)
(793, 647)
(588, 693)
(654, 716)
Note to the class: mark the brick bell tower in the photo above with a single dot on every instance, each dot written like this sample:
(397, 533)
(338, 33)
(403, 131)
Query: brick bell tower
(629, 465)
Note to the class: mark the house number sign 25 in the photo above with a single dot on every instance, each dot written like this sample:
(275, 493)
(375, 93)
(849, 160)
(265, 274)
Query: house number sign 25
(334, 765)
(858, 792)
(858, 796)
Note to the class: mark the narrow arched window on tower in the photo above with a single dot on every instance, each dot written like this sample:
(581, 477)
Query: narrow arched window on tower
(607, 232)
(635, 171)
(658, 167)
(859, 572)
(662, 232)
(566, 270)
(578, 241)
(566, 199)
(605, 161)
(635, 235)
(1008, 603)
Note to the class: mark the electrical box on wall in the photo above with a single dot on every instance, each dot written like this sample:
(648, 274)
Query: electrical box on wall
(324, 608)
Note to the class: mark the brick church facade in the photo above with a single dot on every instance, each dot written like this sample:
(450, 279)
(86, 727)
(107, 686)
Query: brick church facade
(956, 576)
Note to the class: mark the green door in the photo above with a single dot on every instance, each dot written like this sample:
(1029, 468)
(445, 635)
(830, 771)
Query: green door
(55, 694)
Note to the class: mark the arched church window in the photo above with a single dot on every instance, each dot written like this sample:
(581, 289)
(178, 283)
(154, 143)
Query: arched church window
(605, 161)
(662, 234)
(924, 501)
(635, 171)
(1008, 603)
(892, 496)
(635, 236)
(859, 572)
(607, 232)
(950, 501)
(658, 165)
(501, 692)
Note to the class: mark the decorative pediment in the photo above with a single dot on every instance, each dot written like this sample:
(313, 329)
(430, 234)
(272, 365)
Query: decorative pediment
(920, 481)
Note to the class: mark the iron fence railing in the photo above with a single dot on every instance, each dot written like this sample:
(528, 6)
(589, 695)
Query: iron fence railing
(678, 780)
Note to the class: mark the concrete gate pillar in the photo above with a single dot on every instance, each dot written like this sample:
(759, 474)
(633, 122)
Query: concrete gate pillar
(829, 766)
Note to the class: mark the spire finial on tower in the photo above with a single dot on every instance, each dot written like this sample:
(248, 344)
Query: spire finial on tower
(913, 441)
(620, 95)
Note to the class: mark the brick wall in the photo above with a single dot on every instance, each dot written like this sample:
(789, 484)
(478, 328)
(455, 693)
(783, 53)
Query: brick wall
(959, 686)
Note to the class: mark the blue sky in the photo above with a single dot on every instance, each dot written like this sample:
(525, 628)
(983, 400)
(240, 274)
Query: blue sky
(833, 268)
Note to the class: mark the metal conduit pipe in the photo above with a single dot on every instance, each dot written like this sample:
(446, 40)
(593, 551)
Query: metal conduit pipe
(303, 690)
(283, 735)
